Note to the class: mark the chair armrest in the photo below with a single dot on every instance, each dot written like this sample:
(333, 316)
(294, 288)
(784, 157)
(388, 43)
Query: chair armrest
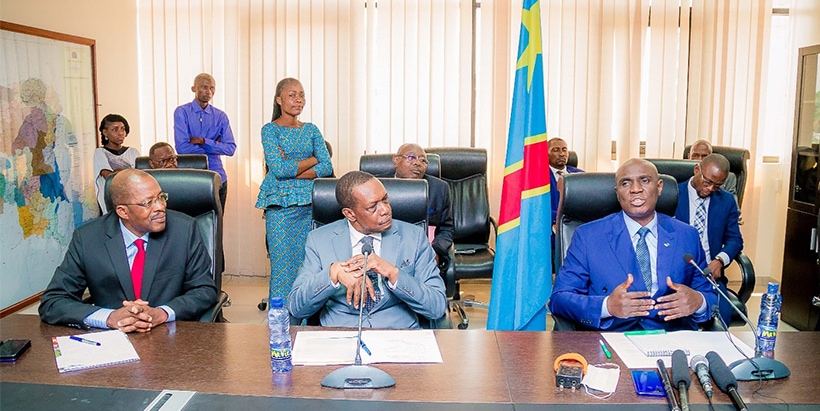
(442, 323)
(562, 324)
(449, 273)
(747, 274)
(215, 312)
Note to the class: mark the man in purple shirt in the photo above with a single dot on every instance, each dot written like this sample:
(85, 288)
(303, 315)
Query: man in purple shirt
(201, 128)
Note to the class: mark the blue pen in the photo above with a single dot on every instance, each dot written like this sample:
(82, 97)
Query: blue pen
(85, 341)
(367, 350)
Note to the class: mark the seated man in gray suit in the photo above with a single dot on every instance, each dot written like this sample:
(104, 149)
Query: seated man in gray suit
(142, 265)
(402, 280)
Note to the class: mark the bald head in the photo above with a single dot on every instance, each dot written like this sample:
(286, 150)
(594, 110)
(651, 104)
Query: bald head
(700, 149)
(410, 161)
(638, 188)
(124, 185)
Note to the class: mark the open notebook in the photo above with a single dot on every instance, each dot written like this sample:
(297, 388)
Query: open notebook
(72, 355)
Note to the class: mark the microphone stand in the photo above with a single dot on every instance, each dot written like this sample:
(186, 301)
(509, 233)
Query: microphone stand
(358, 375)
(748, 369)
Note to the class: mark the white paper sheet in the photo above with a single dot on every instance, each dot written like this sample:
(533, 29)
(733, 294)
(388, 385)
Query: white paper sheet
(697, 342)
(386, 346)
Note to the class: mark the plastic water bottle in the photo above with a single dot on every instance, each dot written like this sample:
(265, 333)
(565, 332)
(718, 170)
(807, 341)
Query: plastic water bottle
(767, 323)
(279, 324)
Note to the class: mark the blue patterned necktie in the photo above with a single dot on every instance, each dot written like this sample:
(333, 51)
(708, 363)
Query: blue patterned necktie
(700, 225)
(374, 278)
(642, 252)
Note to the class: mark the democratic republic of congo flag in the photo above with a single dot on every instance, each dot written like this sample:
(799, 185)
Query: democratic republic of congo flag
(522, 273)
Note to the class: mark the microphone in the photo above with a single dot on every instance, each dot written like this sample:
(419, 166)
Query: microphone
(700, 365)
(667, 386)
(680, 377)
(358, 375)
(747, 369)
(725, 380)
(689, 259)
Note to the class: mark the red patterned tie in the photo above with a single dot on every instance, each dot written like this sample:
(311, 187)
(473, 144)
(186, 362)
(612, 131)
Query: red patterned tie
(137, 267)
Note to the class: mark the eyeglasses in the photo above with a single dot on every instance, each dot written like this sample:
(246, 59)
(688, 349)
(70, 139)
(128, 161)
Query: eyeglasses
(166, 161)
(162, 198)
(709, 183)
(411, 158)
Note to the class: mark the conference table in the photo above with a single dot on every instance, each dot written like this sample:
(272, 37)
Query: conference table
(228, 367)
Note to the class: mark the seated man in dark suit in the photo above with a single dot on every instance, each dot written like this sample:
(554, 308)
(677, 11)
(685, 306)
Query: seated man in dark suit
(559, 154)
(411, 162)
(142, 265)
(402, 280)
(702, 148)
(162, 155)
(596, 287)
(703, 204)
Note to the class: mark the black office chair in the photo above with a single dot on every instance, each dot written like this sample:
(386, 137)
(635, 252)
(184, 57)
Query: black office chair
(465, 170)
(683, 170)
(587, 197)
(196, 193)
(381, 165)
(408, 201)
(737, 165)
(197, 161)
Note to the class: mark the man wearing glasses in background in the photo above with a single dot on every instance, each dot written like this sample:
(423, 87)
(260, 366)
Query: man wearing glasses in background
(143, 265)
(703, 204)
(411, 162)
(162, 155)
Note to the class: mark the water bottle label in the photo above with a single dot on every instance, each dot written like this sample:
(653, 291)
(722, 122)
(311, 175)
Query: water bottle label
(280, 353)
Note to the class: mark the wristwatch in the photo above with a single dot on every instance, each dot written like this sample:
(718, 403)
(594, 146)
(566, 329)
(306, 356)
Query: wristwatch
(723, 263)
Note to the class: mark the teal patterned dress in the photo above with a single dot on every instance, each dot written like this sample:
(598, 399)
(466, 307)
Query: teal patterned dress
(286, 199)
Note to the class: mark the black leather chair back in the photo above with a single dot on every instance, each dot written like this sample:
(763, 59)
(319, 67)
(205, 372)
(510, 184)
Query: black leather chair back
(465, 170)
(590, 196)
(381, 165)
(197, 161)
(572, 159)
(681, 170)
(408, 200)
(737, 164)
(195, 193)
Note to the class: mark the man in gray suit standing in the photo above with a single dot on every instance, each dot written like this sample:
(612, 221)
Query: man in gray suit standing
(142, 264)
(402, 281)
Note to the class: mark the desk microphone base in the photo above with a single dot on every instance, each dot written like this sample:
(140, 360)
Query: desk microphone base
(770, 369)
(358, 376)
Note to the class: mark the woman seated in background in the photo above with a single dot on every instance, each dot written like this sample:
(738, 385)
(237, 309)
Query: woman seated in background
(112, 156)
(295, 154)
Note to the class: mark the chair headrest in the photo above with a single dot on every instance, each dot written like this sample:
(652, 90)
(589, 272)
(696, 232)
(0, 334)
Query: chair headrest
(197, 161)
(408, 200)
(381, 165)
(190, 191)
(737, 156)
(458, 163)
(681, 170)
(590, 196)
(572, 159)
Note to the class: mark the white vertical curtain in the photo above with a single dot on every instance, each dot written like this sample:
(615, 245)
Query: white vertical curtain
(381, 73)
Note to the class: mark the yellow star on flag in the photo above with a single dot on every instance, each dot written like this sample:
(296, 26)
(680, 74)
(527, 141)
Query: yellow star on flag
(531, 19)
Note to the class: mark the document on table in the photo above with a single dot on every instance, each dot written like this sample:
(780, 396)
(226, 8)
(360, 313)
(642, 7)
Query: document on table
(697, 342)
(386, 346)
(93, 350)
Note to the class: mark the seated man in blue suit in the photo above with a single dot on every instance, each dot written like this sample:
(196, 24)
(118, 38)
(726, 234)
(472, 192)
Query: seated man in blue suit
(142, 264)
(626, 271)
(402, 280)
(703, 204)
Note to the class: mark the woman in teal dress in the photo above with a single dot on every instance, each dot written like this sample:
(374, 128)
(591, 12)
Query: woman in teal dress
(295, 154)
